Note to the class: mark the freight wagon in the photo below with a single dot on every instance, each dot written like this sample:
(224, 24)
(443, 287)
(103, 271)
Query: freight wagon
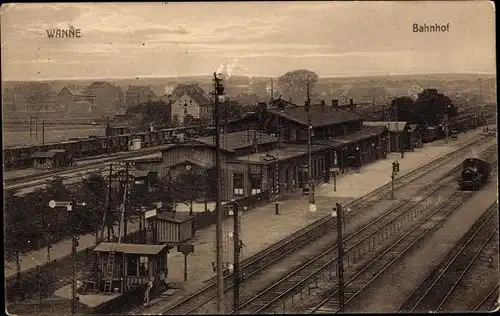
(19, 157)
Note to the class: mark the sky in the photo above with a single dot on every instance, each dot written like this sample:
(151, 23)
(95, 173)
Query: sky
(123, 40)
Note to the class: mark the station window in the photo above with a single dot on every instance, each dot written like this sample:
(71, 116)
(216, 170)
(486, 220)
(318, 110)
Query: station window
(238, 184)
(143, 266)
(255, 183)
(137, 266)
(132, 262)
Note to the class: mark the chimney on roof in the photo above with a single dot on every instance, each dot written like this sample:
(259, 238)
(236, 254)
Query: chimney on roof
(335, 104)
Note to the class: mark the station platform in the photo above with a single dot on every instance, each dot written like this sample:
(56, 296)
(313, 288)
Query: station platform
(260, 226)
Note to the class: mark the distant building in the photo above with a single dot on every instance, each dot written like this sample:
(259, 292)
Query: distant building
(33, 97)
(138, 94)
(67, 98)
(192, 101)
(181, 89)
(104, 97)
(9, 100)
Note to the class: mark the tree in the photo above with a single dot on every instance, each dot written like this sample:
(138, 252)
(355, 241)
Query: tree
(152, 112)
(93, 190)
(293, 84)
(429, 108)
(16, 222)
(190, 186)
(433, 106)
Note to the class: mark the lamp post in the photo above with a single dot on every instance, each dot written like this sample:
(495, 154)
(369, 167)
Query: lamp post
(69, 207)
(337, 212)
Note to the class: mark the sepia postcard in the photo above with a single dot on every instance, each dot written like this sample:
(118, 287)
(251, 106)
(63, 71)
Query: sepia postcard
(249, 157)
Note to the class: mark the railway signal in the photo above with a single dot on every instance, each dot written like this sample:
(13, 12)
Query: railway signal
(218, 93)
(338, 213)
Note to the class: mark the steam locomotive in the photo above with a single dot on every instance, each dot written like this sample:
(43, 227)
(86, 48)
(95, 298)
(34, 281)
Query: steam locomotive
(475, 173)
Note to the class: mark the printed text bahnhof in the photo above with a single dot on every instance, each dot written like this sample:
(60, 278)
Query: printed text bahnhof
(424, 28)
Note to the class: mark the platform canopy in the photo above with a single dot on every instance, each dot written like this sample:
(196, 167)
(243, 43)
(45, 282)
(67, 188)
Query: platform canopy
(138, 249)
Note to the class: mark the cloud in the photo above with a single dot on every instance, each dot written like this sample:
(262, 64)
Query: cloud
(264, 37)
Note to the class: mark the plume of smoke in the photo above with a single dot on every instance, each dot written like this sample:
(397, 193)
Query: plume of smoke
(228, 68)
(275, 91)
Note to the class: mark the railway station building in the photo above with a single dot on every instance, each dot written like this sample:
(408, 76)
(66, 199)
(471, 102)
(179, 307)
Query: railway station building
(270, 147)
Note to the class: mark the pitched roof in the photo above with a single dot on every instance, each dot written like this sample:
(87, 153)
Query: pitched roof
(135, 89)
(233, 141)
(43, 154)
(96, 85)
(47, 154)
(73, 90)
(391, 126)
(174, 216)
(180, 89)
(199, 98)
(320, 116)
(284, 153)
(140, 249)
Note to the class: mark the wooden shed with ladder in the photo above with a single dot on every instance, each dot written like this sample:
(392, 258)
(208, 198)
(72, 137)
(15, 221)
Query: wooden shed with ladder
(124, 266)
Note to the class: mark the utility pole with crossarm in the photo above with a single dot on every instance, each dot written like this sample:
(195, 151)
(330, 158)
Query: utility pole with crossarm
(69, 207)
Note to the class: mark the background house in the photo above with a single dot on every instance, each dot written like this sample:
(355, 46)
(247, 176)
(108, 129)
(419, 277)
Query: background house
(104, 97)
(138, 94)
(191, 103)
(67, 98)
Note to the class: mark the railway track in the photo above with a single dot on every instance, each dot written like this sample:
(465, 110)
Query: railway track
(298, 279)
(357, 281)
(441, 282)
(283, 248)
(490, 301)
(363, 241)
(27, 181)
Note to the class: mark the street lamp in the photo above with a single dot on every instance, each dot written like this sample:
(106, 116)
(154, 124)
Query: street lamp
(69, 207)
(338, 213)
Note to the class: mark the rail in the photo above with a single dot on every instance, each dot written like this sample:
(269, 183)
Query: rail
(442, 280)
(264, 258)
(395, 215)
(378, 265)
(490, 300)
(277, 294)
(10, 183)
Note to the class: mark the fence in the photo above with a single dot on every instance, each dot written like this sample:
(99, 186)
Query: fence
(205, 219)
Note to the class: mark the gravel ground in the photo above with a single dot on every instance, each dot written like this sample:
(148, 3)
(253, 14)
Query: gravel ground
(387, 293)
(477, 281)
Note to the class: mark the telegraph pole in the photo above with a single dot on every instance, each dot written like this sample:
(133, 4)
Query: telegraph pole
(340, 256)
(43, 135)
(237, 248)
(309, 128)
(218, 90)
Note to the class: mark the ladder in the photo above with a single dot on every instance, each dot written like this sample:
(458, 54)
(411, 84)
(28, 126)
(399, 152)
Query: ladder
(110, 269)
